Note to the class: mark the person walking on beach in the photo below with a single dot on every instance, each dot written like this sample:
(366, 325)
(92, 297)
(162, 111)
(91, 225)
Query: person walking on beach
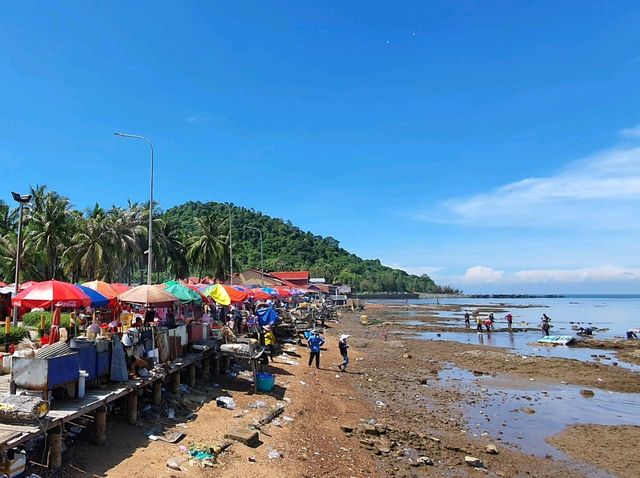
(488, 325)
(479, 324)
(467, 320)
(491, 319)
(545, 324)
(343, 346)
(269, 343)
(315, 342)
(509, 318)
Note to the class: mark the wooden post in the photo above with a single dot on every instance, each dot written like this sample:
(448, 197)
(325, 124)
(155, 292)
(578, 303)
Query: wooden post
(175, 383)
(205, 367)
(7, 330)
(100, 437)
(192, 375)
(216, 365)
(157, 392)
(255, 374)
(132, 408)
(55, 448)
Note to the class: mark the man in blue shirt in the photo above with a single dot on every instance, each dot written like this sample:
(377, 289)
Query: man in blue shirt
(315, 342)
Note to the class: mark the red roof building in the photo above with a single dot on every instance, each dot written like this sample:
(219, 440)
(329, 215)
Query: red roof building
(299, 278)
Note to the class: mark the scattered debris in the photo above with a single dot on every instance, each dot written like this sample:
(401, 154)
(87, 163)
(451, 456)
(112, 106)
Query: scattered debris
(491, 449)
(473, 461)
(226, 402)
(175, 463)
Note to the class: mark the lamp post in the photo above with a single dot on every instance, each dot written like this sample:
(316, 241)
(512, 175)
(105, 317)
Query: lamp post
(21, 199)
(261, 254)
(230, 246)
(150, 251)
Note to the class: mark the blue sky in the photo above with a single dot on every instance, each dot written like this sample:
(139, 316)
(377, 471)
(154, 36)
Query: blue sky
(492, 145)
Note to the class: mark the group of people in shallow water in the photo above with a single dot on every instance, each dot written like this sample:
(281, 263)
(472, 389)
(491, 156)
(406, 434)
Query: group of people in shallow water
(487, 323)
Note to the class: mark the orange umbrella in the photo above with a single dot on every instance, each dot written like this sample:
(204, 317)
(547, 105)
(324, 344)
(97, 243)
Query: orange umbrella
(119, 288)
(103, 288)
(234, 294)
(148, 295)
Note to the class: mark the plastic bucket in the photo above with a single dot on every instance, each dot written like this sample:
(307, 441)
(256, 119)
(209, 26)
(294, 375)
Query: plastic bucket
(265, 381)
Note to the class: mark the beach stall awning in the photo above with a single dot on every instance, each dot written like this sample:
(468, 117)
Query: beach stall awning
(52, 293)
(97, 299)
(234, 294)
(218, 293)
(27, 285)
(182, 292)
(120, 288)
(103, 288)
(260, 294)
(148, 295)
(283, 292)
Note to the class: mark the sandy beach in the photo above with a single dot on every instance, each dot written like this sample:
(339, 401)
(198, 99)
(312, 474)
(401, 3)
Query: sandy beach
(405, 408)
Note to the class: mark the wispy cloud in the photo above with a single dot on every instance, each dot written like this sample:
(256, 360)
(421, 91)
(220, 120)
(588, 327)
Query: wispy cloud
(600, 191)
(630, 132)
(417, 270)
(605, 273)
(198, 119)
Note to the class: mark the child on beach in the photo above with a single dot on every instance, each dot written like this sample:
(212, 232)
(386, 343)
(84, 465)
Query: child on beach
(343, 346)
(479, 324)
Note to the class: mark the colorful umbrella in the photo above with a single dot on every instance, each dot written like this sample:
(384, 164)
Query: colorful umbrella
(97, 299)
(148, 295)
(54, 331)
(182, 292)
(218, 293)
(2, 284)
(260, 294)
(52, 293)
(283, 292)
(27, 285)
(104, 288)
(297, 291)
(120, 288)
(234, 294)
(269, 290)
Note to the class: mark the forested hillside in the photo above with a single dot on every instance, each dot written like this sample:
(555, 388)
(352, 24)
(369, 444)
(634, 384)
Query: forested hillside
(60, 242)
(287, 247)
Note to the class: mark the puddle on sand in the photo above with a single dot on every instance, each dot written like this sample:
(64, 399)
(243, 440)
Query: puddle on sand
(497, 404)
(524, 344)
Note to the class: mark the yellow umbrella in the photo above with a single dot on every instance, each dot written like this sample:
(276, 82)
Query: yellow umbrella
(219, 294)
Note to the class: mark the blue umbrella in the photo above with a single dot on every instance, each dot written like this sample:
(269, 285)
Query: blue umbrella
(97, 299)
(269, 290)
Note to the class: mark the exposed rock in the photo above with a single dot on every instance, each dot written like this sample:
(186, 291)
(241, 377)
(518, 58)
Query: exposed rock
(407, 356)
(346, 428)
(491, 449)
(473, 461)
(425, 460)
(585, 392)
(528, 410)
(369, 429)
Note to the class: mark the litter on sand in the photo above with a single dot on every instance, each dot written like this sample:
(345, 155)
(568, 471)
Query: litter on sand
(226, 402)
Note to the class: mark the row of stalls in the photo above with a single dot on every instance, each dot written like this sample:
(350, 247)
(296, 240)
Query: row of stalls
(100, 332)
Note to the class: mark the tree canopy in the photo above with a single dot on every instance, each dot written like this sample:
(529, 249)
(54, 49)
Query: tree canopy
(190, 239)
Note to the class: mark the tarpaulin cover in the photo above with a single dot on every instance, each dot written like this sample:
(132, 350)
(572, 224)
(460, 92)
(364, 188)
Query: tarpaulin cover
(266, 316)
(219, 294)
(97, 299)
(51, 293)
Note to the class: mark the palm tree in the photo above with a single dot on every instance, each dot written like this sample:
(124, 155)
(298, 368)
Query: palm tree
(47, 231)
(125, 228)
(168, 248)
(208, 248)
(91, 251)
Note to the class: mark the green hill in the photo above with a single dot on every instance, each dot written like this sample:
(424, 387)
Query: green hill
(287, 247)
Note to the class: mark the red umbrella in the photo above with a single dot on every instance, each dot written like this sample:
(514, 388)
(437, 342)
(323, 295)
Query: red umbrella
(54, 332)
(27, 285)
(259, 294)
(2, 284)
(52, 293)
(283, 292)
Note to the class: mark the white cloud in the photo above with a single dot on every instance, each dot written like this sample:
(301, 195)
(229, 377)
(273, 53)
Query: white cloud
(590, 274)
(601, 191)
(630, 132)
(482, 275)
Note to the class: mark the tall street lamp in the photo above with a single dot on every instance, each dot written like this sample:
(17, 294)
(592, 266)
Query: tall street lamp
(230, 246)
(261, 254)
(150, 251)
(22, 199)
